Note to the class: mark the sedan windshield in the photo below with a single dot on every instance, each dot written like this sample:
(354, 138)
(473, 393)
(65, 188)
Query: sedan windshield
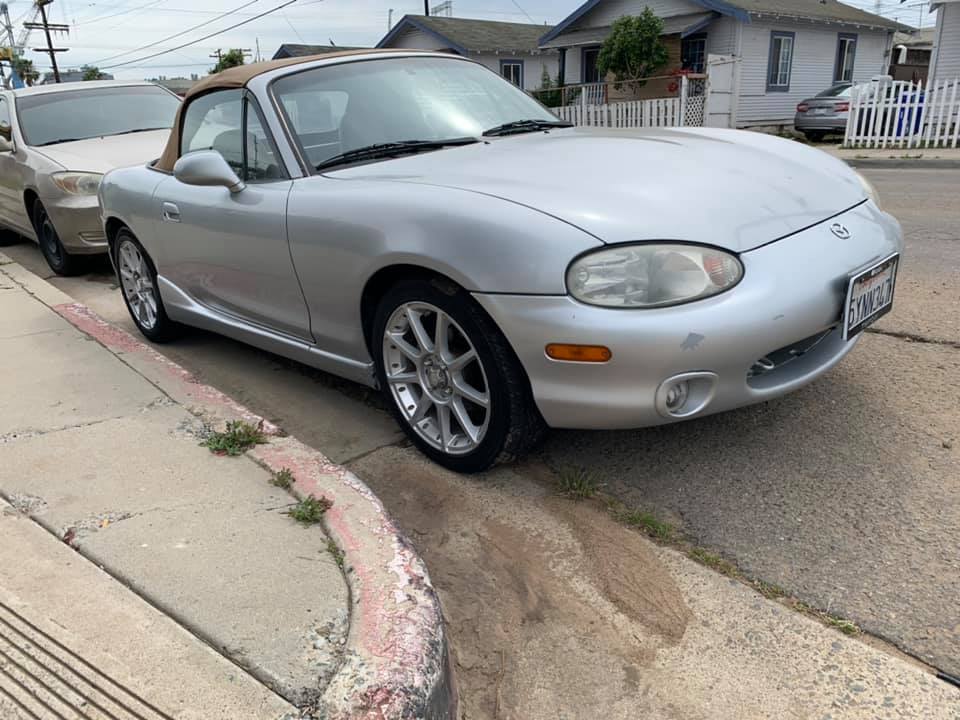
(337, 109)
(56, 117)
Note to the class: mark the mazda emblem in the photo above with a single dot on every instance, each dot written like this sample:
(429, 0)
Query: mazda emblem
(840, 231)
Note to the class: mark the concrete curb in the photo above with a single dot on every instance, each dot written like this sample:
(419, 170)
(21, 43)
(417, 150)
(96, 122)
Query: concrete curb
(904, 163)
(397, 663)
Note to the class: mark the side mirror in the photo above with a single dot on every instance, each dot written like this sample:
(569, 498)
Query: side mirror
(207, 168)
(6, 144)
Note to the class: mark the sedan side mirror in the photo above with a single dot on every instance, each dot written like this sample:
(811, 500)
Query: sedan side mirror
(6, 144)
(207, 168)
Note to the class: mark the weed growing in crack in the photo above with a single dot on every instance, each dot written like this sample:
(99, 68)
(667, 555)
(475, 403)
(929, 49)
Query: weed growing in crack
(239, 437)
(577, 484)
(310, 510)
(282, 479)
(647, 522)
(715, 562)
(335, 552)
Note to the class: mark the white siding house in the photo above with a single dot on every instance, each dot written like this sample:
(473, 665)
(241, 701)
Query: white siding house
(787, 50)
(509, 49)
(945, 61)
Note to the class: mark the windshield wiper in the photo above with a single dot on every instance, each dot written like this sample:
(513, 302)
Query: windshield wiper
(392, 149)
(137, 130)
(60, 140)
(524, 126)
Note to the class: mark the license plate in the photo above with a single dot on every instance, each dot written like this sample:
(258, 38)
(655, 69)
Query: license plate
(870, 296)
(820, 111)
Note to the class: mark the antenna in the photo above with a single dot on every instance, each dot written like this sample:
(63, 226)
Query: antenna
(444, 9)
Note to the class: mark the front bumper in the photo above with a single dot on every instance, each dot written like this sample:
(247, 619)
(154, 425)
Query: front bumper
(77, 220)
(792, 290)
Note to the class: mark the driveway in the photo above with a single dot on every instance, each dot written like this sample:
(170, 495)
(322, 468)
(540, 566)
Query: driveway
(846, 494)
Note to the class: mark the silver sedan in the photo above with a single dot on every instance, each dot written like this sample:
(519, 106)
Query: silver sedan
(414, 222)
(56, 142)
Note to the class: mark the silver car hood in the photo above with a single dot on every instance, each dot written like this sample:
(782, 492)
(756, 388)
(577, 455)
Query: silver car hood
(102, 154)
(734, 189)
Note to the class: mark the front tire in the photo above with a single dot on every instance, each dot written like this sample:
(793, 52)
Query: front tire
(451, 379)
(138, 284)
(57, 257)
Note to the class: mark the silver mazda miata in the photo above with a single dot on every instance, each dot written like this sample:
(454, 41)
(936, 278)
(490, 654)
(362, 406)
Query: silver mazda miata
(413, 221)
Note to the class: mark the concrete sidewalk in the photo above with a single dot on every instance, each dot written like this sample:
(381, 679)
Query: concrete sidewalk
(100, 445)
(894, 157)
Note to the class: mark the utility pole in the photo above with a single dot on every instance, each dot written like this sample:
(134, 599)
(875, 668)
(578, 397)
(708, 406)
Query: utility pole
(426, 7)
(47, 29)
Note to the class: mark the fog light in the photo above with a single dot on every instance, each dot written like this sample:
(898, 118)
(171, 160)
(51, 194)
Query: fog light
(677, 396)
(685, 395)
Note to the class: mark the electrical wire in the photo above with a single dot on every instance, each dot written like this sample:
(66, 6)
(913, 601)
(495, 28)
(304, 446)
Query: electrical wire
(205, 37)
(113, 15)
(523, 11)
(179, 34)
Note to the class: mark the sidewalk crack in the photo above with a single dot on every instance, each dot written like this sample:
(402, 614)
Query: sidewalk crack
(914, 337)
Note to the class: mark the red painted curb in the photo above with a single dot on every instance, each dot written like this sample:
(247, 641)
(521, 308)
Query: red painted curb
(397, 660)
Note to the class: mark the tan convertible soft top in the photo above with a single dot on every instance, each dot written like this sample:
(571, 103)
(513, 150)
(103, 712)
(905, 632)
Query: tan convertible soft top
(236, 77)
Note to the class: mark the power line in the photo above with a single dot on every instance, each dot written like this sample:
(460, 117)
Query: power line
(113, 15)
(179, 34)
(205, 37)
(523, 11)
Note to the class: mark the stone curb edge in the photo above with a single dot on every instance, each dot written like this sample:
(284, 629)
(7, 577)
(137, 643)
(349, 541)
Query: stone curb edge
(903, 163)
(397, 663)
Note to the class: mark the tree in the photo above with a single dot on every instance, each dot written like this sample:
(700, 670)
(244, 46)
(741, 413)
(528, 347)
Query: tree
(633, 49)
(228, 59)
(550, 92)
(25, 69)
(91, 72)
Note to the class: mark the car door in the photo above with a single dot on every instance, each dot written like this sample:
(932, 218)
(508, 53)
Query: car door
(229, 251)
(11, 203)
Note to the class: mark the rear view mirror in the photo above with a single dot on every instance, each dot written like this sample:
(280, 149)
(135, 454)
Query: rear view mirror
(207, 168)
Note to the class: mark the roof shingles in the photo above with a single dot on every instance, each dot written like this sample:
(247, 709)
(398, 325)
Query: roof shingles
(478, 35)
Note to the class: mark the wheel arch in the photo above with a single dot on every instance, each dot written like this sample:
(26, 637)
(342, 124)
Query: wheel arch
(30, 197)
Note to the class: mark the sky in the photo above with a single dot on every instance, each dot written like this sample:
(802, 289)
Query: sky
(106, 33)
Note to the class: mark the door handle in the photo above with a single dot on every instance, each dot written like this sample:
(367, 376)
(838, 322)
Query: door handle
(171, 213)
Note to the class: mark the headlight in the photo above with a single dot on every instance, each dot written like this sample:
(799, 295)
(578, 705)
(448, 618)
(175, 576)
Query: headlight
(869, 189)
(652, 275)
(77, 183)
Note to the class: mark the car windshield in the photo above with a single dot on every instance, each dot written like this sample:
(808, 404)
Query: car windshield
(837, 91)
(339, 108)
(51, 118)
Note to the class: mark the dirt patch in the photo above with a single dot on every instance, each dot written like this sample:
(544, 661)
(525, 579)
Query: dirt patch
(553, 609)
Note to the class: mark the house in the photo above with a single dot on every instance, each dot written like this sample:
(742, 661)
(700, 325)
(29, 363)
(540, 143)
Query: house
(510, 49)
(945, 60)
(786, 50)
(911, 55)
(289, 50)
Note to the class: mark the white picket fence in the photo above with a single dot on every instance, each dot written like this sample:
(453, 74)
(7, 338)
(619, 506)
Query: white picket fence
(659, 112)
(904, 115)
(684, 110)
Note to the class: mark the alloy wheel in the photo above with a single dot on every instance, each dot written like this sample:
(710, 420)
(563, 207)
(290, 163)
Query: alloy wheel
(137, 282)
(436, 378)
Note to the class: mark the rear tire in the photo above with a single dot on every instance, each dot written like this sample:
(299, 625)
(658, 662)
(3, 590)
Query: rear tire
(141, 294)
(815, 135)
(451, 379)
(57, 257)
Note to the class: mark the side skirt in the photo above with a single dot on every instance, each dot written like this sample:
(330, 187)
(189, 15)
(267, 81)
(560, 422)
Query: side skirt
(184, 309)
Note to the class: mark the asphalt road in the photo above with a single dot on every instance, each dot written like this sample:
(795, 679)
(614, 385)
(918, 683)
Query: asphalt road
(846, 494)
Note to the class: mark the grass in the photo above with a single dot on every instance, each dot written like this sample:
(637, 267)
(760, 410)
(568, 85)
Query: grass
(577, 484)
(310, 510)
(713, 561)
(239, 437)
(647, 522)
(335, 552)
(282, 479)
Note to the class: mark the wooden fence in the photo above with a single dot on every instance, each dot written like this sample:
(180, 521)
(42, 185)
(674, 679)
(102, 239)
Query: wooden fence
(904, 115)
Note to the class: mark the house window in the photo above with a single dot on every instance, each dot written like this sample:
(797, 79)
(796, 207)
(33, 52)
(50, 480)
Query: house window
(693, 53)
(781, 61)
(846, 56)
(512, 70)
(588, 65)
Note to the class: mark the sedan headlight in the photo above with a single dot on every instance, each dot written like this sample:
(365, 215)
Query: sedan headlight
(869, 189)
(652, 275)
(77, 183)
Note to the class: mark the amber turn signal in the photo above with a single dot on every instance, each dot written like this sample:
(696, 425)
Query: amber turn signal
(579, 353)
